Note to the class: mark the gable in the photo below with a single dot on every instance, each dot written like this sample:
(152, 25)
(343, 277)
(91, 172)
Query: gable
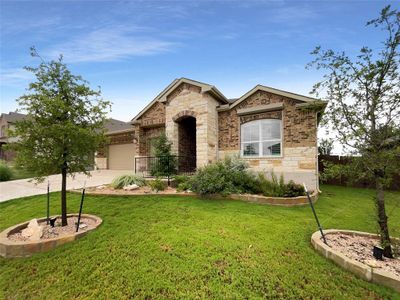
(182, 90)
(154, 116)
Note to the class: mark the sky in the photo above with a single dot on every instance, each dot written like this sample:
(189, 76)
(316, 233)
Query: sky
(134, 49)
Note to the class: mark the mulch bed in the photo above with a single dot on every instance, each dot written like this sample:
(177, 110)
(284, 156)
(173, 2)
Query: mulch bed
(58, 230)
(360, 248)
(107, 190)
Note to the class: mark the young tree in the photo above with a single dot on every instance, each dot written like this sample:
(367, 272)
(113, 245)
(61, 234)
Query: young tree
(64, 124)
(165, 163)
(364, 108)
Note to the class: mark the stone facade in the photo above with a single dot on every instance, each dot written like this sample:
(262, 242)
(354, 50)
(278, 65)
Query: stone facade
(188, 98)
(189, 111)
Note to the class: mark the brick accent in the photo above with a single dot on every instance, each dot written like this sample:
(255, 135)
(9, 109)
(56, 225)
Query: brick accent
(145, 137)
(121, 138)
(299, 128)
(155, 116)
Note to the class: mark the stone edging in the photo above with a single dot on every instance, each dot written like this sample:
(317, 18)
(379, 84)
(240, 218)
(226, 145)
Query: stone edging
(359, 269)
(9, 248)
(282, 201)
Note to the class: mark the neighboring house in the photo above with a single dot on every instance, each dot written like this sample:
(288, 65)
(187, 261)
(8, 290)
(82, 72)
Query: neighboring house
(7, 122)
(273, 130)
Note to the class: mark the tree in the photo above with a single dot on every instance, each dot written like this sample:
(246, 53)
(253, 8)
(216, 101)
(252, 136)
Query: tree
(64, 124)
(364, 108)
(325, 147)
(165, 163)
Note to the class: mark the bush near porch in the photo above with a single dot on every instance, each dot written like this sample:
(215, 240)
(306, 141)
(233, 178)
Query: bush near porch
(182, 247)
(231, 176)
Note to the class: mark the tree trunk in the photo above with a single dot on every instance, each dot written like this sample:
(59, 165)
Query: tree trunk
(64, 195)
(382, 220)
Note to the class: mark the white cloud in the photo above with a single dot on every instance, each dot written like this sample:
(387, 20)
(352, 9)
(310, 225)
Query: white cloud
(110, 44)
(14, 76)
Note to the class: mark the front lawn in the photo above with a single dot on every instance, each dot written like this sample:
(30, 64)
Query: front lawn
(182, 247)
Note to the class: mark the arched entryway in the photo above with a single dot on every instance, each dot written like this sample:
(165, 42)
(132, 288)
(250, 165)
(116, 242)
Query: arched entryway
(186, 143)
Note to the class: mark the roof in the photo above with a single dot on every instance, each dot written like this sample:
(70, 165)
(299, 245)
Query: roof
(227, 104)
(271, 90)
(13, 117)
(112, 125)
(162, 97)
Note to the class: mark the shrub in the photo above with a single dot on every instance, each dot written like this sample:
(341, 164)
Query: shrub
(183, 183)
(278, 188)
(5, 172)
(157, 185)
(124, 180)
(224, 177)
(294, 189)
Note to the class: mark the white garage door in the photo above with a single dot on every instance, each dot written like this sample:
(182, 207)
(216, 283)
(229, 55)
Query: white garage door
(121, 157)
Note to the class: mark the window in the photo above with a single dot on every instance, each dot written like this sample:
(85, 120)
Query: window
(261, 138)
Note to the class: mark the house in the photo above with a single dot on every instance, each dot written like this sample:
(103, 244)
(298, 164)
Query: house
(273, 130)
(7, 122)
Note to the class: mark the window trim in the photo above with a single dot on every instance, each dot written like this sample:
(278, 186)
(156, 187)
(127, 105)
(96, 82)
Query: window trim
(260, 141)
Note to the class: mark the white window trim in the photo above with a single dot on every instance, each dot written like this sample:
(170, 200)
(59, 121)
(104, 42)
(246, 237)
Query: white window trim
(261, 141)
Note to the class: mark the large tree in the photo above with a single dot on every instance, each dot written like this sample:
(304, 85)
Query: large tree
(64, 124)
(364, 108)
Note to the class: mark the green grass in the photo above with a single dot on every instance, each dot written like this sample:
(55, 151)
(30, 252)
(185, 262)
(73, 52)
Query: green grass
(182, 247)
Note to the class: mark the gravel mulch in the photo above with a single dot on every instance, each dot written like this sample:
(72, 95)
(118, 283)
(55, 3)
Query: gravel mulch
(360, 248)
(58, 230)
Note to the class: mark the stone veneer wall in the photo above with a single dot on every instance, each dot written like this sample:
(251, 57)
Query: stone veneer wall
(299, 150)
(189, 98)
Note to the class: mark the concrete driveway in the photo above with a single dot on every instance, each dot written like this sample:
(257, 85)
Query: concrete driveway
(23, 188)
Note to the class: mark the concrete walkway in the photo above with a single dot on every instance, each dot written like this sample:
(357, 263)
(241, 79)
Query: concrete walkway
(23, 188)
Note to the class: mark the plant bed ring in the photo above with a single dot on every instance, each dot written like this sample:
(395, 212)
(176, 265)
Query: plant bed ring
(11, 248)
(360, 269)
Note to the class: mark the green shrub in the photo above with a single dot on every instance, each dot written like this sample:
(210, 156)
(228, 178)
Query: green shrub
(224, 177)
(278, 188)
(182, 183)
(124, 180)
(5, 172)
(157, 185)
(294, 190)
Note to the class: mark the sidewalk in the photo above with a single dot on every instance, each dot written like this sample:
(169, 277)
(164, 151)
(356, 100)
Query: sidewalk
(23, 188)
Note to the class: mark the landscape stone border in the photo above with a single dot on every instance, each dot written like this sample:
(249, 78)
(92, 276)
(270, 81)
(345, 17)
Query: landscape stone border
(10, 248)
(361, 270)
(280, 201)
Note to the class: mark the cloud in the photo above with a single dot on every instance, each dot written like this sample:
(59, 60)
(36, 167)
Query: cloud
(15, 76)
(110, 44)
(29, 24)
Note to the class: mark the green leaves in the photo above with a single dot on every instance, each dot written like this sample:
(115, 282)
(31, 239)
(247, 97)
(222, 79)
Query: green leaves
(64, 124)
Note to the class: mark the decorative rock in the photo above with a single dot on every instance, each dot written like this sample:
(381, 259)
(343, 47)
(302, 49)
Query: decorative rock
(101, 187)
(131, 187)
(33, 231)
(82, 225)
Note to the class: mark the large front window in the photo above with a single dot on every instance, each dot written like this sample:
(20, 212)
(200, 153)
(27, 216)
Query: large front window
(261, 138)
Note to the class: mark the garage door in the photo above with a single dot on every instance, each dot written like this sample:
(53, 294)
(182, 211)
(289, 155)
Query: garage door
(121, 157)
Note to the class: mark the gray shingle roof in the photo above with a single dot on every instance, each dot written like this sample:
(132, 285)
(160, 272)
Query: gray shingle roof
(116, 125)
